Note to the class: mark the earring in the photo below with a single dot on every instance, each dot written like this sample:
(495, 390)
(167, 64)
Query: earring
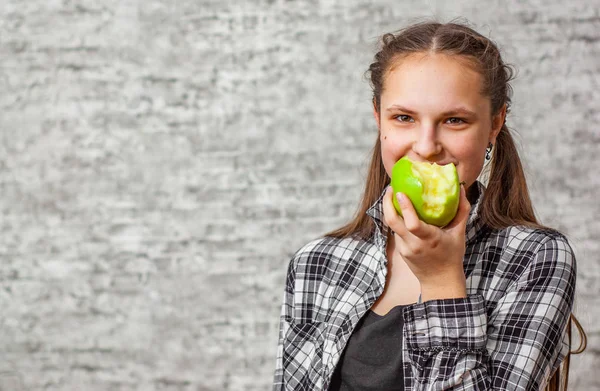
(488, 151)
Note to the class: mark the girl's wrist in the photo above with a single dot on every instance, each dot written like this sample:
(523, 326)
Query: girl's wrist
(444, 288)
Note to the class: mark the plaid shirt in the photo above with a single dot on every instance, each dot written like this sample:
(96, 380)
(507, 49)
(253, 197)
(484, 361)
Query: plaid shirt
(509, 333)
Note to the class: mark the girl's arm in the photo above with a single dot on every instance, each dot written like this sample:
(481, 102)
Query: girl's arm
(455, 344)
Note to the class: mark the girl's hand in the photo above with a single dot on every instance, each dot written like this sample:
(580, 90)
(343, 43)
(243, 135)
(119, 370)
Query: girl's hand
(435, 255)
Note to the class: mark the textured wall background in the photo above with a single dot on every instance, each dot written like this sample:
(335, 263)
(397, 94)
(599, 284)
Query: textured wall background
(160, 161)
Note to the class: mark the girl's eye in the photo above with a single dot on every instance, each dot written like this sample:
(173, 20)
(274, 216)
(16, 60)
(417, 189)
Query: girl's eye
(455, 121)
(451, 121)
(404, 118)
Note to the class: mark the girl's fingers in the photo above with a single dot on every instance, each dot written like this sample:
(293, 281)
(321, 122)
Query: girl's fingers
(409, 224)
(411, 220)
(391, 216)
(462, 215)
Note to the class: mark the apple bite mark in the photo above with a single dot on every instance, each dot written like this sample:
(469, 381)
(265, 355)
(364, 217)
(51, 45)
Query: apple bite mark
(438, 181)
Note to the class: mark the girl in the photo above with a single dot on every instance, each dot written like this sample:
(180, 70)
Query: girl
(392, 303)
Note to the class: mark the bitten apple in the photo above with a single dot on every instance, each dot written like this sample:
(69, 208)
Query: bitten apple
(434, 190)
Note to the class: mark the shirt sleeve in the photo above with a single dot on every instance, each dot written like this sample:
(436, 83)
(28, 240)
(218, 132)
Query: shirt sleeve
(284, 323)
(457, 344)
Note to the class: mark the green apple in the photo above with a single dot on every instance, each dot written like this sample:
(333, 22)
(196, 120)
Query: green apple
(434, 190)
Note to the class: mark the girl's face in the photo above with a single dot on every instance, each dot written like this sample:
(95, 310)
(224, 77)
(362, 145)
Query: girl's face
(432, 110)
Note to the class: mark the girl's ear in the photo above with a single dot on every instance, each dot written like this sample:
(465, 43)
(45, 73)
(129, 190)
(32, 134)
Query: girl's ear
(497, 123)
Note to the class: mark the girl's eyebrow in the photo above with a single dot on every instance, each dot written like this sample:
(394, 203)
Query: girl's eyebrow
(455, 111)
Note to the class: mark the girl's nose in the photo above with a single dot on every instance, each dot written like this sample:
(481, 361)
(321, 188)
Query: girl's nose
(427, 143)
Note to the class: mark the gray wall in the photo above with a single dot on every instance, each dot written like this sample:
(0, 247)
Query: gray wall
(160, 161)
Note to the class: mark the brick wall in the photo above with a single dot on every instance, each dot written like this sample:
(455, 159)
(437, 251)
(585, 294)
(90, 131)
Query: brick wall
(160, 161)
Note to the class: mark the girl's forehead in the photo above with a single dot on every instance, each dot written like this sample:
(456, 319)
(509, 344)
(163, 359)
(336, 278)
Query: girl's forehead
(434, 79)
(420, 57)
(425, 60)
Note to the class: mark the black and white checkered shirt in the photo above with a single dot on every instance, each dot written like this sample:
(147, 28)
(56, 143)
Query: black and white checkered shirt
(508, 334)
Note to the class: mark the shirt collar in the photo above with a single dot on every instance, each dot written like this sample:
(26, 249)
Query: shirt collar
(474, 223)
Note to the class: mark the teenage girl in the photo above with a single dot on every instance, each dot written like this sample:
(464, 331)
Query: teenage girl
(392, 303)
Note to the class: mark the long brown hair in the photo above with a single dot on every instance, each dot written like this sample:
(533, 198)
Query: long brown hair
(506, 201)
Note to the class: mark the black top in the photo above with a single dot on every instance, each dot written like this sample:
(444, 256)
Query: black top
(372, 359)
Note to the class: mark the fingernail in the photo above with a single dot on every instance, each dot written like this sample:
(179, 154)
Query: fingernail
(401, 199)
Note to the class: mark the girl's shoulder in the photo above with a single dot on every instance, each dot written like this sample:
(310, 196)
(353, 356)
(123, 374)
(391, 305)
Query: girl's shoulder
(527, 248)
(330, 254)
(531, 238)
